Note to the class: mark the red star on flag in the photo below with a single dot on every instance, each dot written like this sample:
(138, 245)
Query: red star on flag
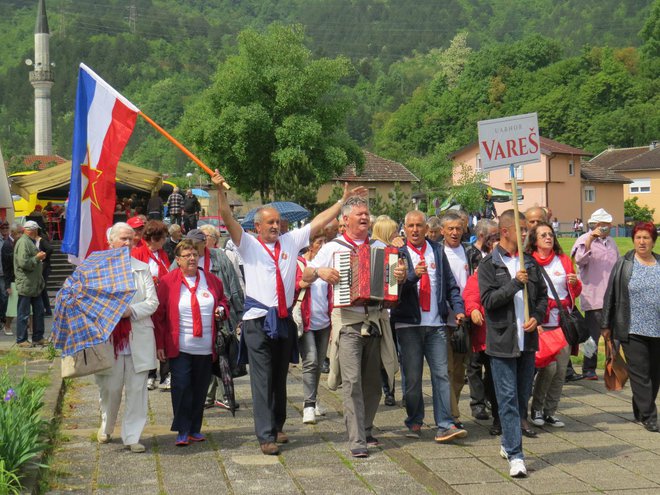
(92, 175)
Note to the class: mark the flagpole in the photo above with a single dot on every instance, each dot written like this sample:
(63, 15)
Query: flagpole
(185, 150)
(516, 216)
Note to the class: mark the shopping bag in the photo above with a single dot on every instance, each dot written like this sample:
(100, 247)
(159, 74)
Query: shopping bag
(551, 342)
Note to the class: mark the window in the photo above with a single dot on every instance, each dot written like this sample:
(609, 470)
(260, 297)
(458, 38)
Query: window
(571, 167)
(640, 186)
(478, 167)
(520, 195)
(589, 194)
(372, 196)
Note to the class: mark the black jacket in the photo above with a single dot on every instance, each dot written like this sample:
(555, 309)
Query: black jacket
(7, 256)
(448, 292)
(497, 290)
(616, 303)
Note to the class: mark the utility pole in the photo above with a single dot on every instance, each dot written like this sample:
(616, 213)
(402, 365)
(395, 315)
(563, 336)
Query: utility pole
(132, 18)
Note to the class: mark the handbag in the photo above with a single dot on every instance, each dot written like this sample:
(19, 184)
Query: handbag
(98, 358)
(573, 324)
(459, 338)
(616, 369)
(551, 342)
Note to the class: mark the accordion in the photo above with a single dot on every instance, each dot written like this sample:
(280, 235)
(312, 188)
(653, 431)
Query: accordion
(366, 277)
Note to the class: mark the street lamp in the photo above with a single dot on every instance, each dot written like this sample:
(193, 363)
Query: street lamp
(189, 175)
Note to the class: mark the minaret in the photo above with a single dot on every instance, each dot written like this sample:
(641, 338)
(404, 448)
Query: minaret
(42, 80)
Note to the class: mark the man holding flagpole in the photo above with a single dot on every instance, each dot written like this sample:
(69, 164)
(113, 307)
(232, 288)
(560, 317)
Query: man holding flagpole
(269, 334)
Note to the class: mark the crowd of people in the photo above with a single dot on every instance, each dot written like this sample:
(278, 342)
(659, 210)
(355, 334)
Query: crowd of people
(475, 311)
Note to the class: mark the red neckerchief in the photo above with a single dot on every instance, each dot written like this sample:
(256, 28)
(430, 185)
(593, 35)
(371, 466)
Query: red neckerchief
(162, 267)
(194, 305)
(544, 261)
(424, 282)
(282, 310)
(121, 335)
(352, 242)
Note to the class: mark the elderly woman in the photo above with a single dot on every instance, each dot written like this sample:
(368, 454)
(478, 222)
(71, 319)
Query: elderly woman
(152, 253)
(631, 315)
(313, 319)
(191, 300)
(135, 354)
(543, 246)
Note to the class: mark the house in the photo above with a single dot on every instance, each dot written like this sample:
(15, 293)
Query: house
(641, 165)
(602, 188)
(556, 182)
(378, 176)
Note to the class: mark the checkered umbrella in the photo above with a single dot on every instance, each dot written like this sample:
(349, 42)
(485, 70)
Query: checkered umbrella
(288, 211)
(92, 300)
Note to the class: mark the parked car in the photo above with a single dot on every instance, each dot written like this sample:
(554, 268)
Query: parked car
(216, 222)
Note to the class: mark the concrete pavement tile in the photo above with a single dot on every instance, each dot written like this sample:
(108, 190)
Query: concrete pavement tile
(258, 485)
(497, 488)
(431, 450)
(401, 484)
(643, 491)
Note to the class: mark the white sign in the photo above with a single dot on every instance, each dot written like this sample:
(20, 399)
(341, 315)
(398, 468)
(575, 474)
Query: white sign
(509, 141)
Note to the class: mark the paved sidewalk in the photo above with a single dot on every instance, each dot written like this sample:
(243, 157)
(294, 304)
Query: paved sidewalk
(599, 451)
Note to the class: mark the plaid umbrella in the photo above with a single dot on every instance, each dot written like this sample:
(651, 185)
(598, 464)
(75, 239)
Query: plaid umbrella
(222, 369)
(288, 211)
(92, 300)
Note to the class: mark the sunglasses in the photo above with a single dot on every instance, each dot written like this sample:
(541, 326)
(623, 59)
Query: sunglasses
(543, 235)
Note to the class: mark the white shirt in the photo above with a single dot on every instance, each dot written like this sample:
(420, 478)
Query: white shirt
(557, 274)
(429, 318)
(459, 268)
(513, 265)
(319, 318)
(153, 265)
(187, 343)
(259, 267)
(325, 258)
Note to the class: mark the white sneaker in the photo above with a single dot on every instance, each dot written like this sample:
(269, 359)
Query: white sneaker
(503, 453)
(102, 437)
(554, 421)
(309, 417)
(151, 384)
(537, 418)
(517, 468)
(319, 410)
(167, 384)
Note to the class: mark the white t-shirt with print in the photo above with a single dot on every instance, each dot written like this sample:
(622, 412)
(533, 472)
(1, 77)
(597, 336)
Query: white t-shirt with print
(429, 318)
(187, 342)
(557, 274)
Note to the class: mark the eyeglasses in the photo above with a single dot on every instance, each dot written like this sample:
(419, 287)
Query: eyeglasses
(189, 256)
(543, 235)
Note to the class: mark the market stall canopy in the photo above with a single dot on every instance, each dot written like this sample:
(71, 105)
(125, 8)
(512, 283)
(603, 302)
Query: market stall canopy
(60, 175)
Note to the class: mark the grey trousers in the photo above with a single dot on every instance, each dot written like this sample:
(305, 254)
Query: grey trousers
(550, 382)
(359, 362)
(313, 347)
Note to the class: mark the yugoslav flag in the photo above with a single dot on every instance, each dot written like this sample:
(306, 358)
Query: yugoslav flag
(103, 123)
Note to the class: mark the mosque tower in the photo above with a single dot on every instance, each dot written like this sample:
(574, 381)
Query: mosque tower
(42, 80)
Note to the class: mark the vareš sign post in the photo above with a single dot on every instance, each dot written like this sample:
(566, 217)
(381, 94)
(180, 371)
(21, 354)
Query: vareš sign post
(511, 142)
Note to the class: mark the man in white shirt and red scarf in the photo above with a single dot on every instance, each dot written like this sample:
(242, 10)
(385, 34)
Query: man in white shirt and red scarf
(269, 334)
(361, 337)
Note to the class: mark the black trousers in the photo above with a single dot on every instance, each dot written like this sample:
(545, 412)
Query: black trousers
(593, 319)
(269, 366)
(643, 357)
(481, 386)
(191, 375)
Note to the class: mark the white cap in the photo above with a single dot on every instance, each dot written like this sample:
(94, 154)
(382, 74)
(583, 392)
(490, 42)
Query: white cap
(31, 225)
(600, 215)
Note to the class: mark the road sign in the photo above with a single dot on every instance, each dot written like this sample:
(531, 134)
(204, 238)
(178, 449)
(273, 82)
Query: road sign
(509, 141)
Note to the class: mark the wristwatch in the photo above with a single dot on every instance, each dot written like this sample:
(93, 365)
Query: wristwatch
(316, 273)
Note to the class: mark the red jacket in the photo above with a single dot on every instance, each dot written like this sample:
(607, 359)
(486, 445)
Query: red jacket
(472, 301)
(166, 317)
(141, 253)
(306, 303)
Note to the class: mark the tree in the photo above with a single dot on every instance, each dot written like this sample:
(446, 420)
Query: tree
(468, 190)
(637, 213)
(274, 119)
(399, 203)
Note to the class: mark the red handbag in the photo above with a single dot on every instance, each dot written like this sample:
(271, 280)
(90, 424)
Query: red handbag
(551, 342)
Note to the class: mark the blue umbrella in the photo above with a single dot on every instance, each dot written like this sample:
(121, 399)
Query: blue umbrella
(200, 193)
(92, 300)
(290, 211)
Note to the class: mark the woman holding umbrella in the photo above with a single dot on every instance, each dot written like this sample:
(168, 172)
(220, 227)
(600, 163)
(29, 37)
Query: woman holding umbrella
(135, 354)
(191, 300)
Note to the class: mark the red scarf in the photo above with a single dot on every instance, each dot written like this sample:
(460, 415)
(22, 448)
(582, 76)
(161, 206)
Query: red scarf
(282, 311)
(194, 304)
(120, 335)
(424, 282)
(352, 242)
(544, 261)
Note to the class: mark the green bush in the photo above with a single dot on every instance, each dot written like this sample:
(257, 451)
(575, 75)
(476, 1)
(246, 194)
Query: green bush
(21, 427)
(9, 482)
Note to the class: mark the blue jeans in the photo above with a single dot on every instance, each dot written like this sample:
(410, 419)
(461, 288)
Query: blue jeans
(513, 379)
(415, 343)
(23, 315)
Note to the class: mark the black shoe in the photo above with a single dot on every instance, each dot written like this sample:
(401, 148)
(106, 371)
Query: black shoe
(372, 441)
(325, 367)
(652, 427)
(574, 377)
(480, 414)
(529, 432)
(495, 429)
(459, 425)
(389, 400)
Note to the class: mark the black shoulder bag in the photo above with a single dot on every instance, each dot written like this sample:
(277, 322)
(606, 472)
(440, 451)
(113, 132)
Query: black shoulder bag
(572, 324)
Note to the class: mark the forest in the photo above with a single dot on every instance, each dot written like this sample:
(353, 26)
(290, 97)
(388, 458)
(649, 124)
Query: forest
(407, 80)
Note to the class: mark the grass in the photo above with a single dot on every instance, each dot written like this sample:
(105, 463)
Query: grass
(623, 243)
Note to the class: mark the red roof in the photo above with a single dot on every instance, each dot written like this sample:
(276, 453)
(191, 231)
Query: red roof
(378, 169)
(594, 173)
(43, 160)
(548, 147)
